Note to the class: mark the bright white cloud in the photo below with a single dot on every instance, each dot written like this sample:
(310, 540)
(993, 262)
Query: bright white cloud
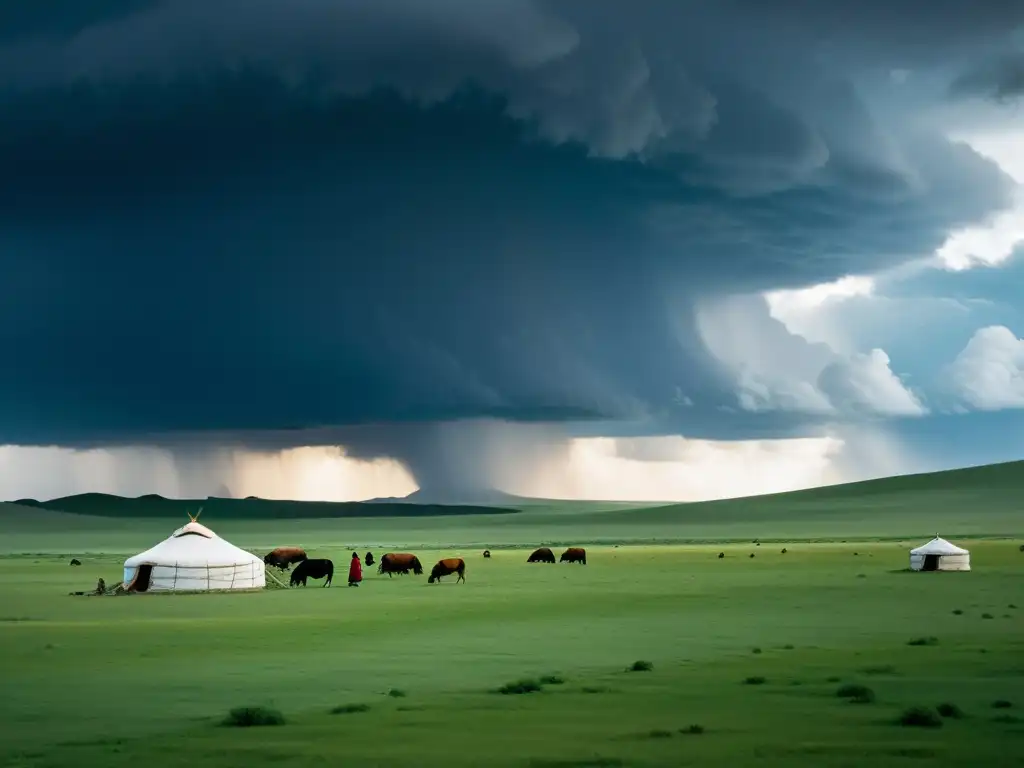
(989, 373)
(994, 242)
(776, 369)
(864, 383)
(806, 311)
(685, 470)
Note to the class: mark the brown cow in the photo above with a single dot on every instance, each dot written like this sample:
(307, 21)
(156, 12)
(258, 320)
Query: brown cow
(401, 563)
(447, 567)
(285, 557)
(574, 555)
(542, 555)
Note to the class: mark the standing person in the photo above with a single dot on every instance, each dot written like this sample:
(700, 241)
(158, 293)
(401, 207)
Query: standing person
(355, 571)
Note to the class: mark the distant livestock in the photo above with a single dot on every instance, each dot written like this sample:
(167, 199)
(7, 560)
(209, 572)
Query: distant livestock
(401, 563)
(285, 557)
(784, 550)
(312, 569)
(369, 559)
(721, 555)
(574, 555)
(75, 561)
(447, 567)
(487, 554)
(542, 555)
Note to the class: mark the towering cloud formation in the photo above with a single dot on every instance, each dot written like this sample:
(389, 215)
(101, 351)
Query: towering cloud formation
(287, 215)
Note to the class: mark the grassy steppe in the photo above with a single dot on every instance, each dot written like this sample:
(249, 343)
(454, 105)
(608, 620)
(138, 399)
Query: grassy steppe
(752, 650)
(119, 681)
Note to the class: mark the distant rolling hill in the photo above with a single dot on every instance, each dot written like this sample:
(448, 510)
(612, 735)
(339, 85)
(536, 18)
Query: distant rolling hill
(155, 506)
(971, 491)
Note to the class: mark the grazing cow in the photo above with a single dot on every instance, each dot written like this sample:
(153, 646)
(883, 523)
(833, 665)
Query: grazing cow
(447, 567)
(574, 555)
(784, 550)
(401, 563)
(285, 557)
(721, 555)
(75, 561)
(312, 569)
(542, 555)
(369, 559)
(487, 554)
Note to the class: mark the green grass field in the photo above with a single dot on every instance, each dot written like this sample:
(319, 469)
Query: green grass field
(148, 679)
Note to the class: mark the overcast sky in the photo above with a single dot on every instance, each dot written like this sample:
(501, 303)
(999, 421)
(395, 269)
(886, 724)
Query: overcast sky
(668, 249)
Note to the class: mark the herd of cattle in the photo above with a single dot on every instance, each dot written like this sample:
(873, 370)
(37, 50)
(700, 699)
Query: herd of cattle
(401, 563)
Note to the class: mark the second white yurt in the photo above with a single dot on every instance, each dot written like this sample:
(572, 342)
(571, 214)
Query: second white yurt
(193, 559)
(939, 555)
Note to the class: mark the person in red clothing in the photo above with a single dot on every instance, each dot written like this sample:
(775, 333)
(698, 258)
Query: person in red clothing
(355, 571)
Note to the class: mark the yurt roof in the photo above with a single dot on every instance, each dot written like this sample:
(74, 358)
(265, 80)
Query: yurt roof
(193, 545)
(939, 546)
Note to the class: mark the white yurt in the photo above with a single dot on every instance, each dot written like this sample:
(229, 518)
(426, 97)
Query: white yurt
(939, 555)
(193, 559)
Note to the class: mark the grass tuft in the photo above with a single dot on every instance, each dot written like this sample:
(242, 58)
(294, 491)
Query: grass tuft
(520, 686)
(1008, 719)
(660, 733)
(950, 711)
(857, 694)
(249, 717)
(1002, 704)
(958, 612)
(922, 641)
(350, 709)
(595, 689)
(987, 616)
(396, 693)
(641, 666)
(756, 650)
(552, 680)
(920, 717)
(755, 680)
(694, 730)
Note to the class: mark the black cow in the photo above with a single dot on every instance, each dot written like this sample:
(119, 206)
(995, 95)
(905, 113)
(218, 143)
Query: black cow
(369, 559)
(313, 569)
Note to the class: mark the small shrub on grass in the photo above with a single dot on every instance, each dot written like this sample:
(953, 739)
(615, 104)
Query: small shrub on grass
(552, 680)
(958, 612)
(833, 679)
(756, 650)
(920, 717)
(1002, 704)
(987, 616)
(595, 689)
(951, 711)
(396, 693)
(350, 709)
(247, 717)
(1007, 719)
(641, 666)
(787, 647)
(755, 680)
(694, 730)
(1011, 606)
(921, 641)
(520, 686)
(857, 694)
(660, 733)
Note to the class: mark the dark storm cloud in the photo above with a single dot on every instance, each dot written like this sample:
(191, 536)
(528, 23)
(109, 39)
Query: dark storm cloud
(269, 215)
(1001, 79)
